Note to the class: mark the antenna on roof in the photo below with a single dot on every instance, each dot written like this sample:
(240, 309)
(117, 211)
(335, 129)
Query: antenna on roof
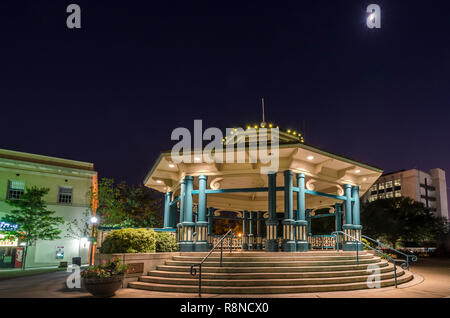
(263, 123)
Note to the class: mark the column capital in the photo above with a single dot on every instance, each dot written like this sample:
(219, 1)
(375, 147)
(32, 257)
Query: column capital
(189, 178)
(288, 172)
(203, 177)
(300, 175)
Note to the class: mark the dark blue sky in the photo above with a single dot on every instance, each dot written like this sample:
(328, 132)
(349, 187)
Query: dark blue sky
(112, 92)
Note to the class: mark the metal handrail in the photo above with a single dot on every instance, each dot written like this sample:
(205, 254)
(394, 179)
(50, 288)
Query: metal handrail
(408, 256)
(193, 271)
(394, 261)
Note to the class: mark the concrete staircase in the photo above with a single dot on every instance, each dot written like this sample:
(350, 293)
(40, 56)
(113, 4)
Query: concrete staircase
(270, 273)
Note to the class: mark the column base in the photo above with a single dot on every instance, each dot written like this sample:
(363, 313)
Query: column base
(186, 246)
(352, 246)
(271, 246)
(289, 246)
(201, 247)
(302, 246)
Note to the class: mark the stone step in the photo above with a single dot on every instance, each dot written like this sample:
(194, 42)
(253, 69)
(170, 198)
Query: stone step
(273, 254)
(259, 290)
(278, 258)
(279, 263)
(281, 275)
(265, 281)
(265, 269)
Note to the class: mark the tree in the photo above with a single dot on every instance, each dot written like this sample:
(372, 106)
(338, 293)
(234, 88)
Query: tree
(127, 206)
(79, 228)
(401, 219)
(34, 220)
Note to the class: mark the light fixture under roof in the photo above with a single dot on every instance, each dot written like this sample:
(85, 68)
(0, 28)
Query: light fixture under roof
(197, 159)
(357, 171)
(310, 157)
(171, 165)
(158, 181)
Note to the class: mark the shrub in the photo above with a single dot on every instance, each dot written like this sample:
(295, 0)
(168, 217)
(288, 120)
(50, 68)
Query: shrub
(130, 241)
(166, 242)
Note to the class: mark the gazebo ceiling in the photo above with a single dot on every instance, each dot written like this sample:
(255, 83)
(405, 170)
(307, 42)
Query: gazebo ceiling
(325, 172)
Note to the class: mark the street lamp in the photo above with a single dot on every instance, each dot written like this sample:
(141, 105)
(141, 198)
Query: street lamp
(93, 220)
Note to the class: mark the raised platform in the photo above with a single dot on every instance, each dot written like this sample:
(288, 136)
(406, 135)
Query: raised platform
(271, 273)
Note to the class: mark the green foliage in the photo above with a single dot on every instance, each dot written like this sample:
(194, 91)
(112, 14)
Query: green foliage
(34, 220)
(366, 242)
(166, 242)
(105, 269)
(402, 219)
(130, 241)
(127, 206)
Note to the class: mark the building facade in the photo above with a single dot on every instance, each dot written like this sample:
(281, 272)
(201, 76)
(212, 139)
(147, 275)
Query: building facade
(69, 182)
(429, 188)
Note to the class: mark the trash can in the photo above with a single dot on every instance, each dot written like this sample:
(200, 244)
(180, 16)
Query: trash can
(76, 261)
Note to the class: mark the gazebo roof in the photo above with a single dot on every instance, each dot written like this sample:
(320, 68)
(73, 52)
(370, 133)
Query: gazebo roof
(325, 172)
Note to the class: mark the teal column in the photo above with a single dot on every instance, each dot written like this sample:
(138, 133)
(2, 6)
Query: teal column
(308, 227)
(210, 227)
(167, 198)
(173, 217)
(356, 222)
(348, 203)
(289, 244)
(180, 229)
(251, 237)
(259, 224)
(271, 223)
(201, 226)
(187, 245)
(244, 230)
(351, 237)
(301, 224)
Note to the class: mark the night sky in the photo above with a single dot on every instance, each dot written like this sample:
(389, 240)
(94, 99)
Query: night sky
(112, 92)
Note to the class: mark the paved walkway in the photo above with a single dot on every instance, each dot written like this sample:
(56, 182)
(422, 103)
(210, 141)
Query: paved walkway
(432, 280)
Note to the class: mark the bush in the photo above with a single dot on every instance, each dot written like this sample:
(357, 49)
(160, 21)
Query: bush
(166, 242)
(130, 241)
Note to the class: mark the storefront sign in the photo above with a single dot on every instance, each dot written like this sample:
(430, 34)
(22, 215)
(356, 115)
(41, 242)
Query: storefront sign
(8, 242)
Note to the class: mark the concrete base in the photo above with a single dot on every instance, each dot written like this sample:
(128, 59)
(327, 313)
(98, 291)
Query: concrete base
(302, 246)
(186, 246)
(201, 247)
(289, 246)
(271, 246)
(352, 246)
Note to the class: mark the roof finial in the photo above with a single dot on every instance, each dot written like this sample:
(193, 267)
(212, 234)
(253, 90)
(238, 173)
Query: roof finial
(263, 124)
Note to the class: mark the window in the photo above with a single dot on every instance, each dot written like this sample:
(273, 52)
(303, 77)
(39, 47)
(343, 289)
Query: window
(374, 188)
(381, 186)
(398, 194)
(397, 183)
(373, 198)
(65, 195)
(15, 189)
(383, 196)
(388, 184)
(389, 195)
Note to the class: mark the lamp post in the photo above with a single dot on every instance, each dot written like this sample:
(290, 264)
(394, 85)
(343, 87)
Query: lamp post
(93, 220)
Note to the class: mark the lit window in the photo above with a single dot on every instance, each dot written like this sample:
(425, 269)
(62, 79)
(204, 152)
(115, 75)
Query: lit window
(397, 183)
(381, 186)
(398, 194)
(373, 188)
(65, 195)
(373, 197)
(15, 189)
(389, 184)
(383, 196)
(389, 195)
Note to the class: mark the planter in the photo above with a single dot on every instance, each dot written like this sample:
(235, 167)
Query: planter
(103, 287)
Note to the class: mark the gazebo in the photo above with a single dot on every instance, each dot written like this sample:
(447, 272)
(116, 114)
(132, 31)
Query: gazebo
(307, 179)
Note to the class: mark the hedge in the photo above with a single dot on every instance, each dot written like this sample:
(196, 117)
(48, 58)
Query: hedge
(166, 242)
(130, 241)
